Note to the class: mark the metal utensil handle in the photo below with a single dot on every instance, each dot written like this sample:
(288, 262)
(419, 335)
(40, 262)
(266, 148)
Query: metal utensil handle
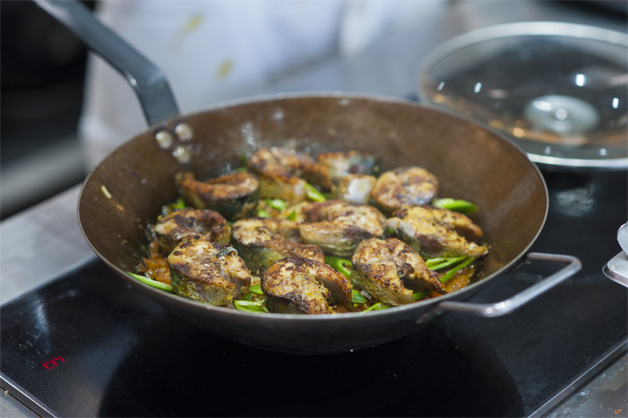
(506, 306)
(148, 81)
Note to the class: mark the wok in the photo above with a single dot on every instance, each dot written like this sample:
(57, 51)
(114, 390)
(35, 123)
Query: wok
(125, 192)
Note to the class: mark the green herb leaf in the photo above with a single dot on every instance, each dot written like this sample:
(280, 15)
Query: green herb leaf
(357, 297)
(342, 265)
(456, 269)
(292, 216)
(151, 282)
(277, 204)
(257, 289)
(457, 205)
(313, 194)
(249, 306)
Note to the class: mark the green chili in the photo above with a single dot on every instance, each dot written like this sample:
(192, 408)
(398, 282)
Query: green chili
(457, 205)
(429, 262)
(249, 306)
(152, 282)
(341, 264)
(456, 269)
(313, 194)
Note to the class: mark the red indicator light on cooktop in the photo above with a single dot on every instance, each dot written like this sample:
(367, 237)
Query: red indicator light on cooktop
(51, 364)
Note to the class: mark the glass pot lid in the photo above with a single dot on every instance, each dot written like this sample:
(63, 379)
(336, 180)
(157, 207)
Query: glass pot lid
(558, 90)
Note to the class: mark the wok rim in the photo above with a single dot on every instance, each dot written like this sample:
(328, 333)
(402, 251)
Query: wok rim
(469, 290)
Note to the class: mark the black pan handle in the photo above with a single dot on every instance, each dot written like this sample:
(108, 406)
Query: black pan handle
(489, 310)
(148, 81)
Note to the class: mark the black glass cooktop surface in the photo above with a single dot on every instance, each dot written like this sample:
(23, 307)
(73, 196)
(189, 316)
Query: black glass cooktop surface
(87, 344)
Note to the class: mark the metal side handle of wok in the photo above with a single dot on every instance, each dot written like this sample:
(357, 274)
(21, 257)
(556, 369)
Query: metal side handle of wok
(148, 81)
(490, 310)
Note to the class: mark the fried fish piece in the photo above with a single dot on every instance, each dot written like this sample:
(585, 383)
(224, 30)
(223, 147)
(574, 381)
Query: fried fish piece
(262, 241)
(354, 188)
(404, 186)
(337, 227)
(191, 223)
(208, 272)
(344, 163)
(437, 232)
(284, 172)
(233, 195)
(302, 285)
(391, 271)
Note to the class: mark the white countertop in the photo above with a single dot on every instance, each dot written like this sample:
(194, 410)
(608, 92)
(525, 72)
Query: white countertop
(40, 243)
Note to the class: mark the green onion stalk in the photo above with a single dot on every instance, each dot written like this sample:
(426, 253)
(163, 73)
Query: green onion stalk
(257, 290)
(453, 271)
(250, 306)
(439, 263)
(420, 295)
(342, 265)
(313, 194)
(278, 204)
(377, 306)
(457, 205)
(261, 213)
(152, 282)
